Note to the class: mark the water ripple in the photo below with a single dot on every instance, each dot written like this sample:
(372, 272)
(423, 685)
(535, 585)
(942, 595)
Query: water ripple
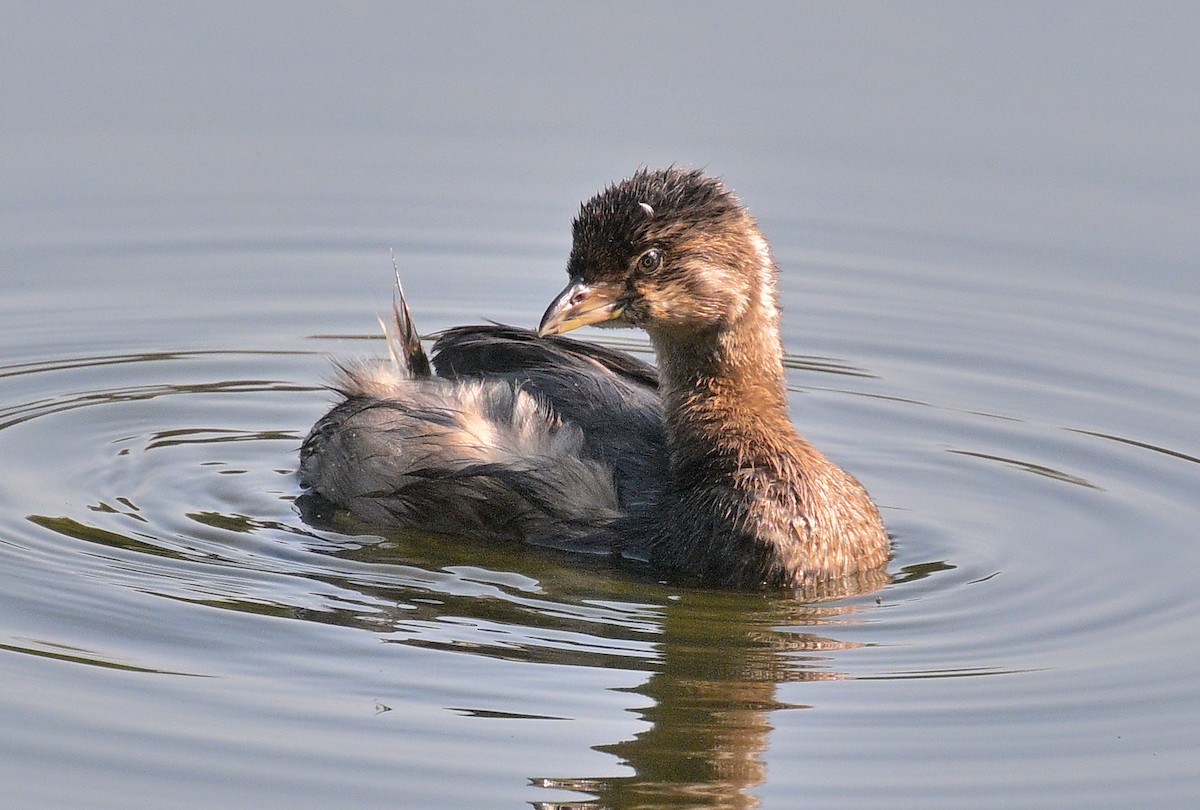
(172, 494)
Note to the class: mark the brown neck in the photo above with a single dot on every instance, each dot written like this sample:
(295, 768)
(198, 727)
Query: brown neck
(753, 502)
(724, 389)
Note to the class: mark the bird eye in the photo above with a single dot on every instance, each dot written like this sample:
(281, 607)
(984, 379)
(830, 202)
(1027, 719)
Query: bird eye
(651, 260)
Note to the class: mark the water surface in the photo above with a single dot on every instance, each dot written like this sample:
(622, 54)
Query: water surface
(985, 223)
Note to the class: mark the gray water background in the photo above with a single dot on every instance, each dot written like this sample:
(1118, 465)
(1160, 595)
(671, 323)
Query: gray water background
(986, 219)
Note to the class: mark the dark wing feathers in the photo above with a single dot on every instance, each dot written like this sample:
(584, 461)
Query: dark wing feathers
(470, 351)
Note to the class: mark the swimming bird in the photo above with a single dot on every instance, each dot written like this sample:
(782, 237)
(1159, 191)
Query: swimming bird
(694, 468)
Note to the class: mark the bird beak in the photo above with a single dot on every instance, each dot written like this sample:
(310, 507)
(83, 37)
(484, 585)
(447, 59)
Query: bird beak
(581, 304)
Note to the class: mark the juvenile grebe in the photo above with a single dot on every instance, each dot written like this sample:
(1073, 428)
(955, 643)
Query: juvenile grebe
(695, 469)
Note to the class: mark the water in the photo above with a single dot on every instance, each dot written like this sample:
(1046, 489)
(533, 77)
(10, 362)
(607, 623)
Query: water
(986, 222)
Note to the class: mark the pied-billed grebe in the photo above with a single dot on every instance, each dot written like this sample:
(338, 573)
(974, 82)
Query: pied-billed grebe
(695, 469)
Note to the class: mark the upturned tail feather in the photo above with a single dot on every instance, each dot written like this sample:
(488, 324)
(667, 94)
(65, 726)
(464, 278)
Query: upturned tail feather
(403, 342)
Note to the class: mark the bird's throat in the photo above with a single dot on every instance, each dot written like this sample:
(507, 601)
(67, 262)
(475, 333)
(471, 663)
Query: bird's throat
(725, 386)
